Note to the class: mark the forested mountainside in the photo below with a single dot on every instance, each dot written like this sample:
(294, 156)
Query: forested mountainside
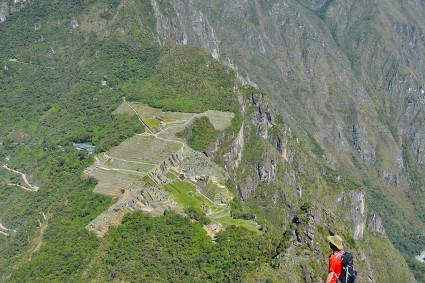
(276, 124)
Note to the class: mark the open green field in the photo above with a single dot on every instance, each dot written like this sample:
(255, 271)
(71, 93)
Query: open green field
(185, 194)
(153, 117)
(227, 221)
(146, 112)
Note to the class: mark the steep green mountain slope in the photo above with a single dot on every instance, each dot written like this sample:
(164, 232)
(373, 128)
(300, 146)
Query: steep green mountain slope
(347, 75)
(327, 147)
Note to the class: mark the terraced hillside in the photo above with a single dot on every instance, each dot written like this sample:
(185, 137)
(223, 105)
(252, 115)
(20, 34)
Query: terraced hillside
(330, 142)
(157, 171)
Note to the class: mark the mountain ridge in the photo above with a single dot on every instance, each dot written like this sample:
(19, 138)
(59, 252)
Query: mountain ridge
(305, 60)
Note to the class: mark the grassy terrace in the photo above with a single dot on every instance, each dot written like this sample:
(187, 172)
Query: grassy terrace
(153, 117)
(110, 182)
(131, 160)
(145, 149)
(227, 221)
(185, 194)
(126, 165)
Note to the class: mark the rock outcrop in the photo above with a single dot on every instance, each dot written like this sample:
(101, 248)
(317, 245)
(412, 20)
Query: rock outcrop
(9, 7)
(158, 174)
(357, 212)
(4, 11)
(262, 117)
(234, 156)
(374, 224)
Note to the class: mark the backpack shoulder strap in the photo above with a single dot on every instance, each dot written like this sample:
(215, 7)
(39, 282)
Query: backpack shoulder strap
(337, 255)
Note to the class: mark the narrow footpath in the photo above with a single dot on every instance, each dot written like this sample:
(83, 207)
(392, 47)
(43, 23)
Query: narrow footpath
(31, 188)
(4, 230)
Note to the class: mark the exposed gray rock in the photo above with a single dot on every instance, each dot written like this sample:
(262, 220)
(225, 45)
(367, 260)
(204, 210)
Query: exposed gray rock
(234, 157)
(4, 11)
(391, 177)
(374, 224)
(262, 118)
(268, 167)
(357, 211)
(74, 24)
(289, 177)
(364, 146)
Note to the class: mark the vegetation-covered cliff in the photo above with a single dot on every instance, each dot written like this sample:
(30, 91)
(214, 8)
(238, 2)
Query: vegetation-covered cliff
(325, 137)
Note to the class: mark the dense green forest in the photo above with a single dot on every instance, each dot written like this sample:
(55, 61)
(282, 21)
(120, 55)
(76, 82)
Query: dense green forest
(173, 249)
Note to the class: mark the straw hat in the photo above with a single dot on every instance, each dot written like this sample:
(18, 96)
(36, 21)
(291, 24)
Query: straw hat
(336, 240)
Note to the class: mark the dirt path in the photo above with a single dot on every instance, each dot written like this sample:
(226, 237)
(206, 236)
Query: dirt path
(108, 157)
(150, 132)
(123, 170)
(40, 66)
(39, 239)
(138, 116)
(4, 230)
(2, 227)
(30, 187)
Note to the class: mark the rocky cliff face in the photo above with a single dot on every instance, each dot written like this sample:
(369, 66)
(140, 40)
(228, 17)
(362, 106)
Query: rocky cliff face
(357, 212)
(309, 73)
(374, 223)
(348, 73)
(345, 76)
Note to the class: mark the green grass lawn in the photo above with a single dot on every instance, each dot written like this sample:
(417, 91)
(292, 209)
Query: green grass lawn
(185, 197)
(148, 181)
(248, 224)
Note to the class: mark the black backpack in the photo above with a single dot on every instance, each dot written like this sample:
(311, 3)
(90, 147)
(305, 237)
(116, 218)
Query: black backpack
(348, 273)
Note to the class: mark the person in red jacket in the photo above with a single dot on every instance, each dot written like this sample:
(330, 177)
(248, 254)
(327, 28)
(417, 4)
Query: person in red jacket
(335, 261)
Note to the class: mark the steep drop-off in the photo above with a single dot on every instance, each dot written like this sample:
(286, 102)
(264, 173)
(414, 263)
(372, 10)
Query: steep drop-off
(334, 136)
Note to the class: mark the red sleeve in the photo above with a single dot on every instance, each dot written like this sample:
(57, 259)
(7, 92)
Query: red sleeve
(335, 265)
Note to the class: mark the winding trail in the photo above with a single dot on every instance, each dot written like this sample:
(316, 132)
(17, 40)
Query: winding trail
(4, 230)
(30, 187)
(39, 239)
(40, 66)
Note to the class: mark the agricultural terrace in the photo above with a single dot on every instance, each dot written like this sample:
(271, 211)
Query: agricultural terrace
(129, 170)
(124, 164)
(110, 181)
(144, 149)
(209, 196)
(162, 121)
